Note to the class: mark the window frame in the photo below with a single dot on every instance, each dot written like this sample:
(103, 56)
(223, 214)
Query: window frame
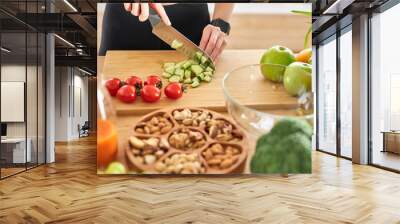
(333, 37)
(27, 29)
(378, 10)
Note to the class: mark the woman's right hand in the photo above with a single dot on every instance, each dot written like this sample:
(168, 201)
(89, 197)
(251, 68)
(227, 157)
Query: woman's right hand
(142, 11)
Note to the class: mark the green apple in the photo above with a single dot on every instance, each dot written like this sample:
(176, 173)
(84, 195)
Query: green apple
(279, 56)
(297, 78)
(115, 168)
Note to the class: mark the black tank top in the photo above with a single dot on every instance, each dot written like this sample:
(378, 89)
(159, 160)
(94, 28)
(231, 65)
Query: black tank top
(123, 31)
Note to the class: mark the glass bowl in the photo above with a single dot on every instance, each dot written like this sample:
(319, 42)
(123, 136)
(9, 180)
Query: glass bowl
(256, 103)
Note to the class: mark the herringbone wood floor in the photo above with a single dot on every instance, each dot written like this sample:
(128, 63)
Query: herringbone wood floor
(69, 191)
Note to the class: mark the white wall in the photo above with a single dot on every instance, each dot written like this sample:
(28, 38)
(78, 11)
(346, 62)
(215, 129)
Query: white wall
(14, 72)
(33, 127)
(61, 103)
(68, 83)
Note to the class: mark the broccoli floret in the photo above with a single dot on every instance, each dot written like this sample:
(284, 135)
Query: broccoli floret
(285, 149)
(267, 139)
(288, 126)
(283, 128)
(292, 154)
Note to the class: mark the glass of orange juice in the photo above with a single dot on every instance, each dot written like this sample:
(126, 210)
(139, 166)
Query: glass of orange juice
(107, 140)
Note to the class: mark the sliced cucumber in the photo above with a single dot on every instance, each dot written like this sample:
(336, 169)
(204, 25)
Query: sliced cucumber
(194, 62)
(166, 75)
(179, 72)
(179, 64)
(188, 74)
(195, 84)
(207, 73)
(168, 64)
(196, 69)
(207, 78)
(181, 77)
(170, 69)
(174, 78)
(201, 76)
(187, 81)
(187, 64)
(192, 71)
(176, 44)
(204, 60)
(198, 55)
(209, 69)
(195, 79)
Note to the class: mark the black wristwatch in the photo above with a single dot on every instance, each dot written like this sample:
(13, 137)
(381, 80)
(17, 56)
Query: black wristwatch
(222, 24)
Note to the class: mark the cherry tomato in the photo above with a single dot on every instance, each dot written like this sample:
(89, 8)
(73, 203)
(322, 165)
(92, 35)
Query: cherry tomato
(153, 80)
(174, 90)
(134, 81)
(150, 93)
(113, 86)
(127, 94)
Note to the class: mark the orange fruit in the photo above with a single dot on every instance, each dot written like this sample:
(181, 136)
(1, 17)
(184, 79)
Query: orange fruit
(106, 142)
(304, 55)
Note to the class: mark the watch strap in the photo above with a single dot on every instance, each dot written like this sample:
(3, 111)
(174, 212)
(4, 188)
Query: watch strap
(223, 25)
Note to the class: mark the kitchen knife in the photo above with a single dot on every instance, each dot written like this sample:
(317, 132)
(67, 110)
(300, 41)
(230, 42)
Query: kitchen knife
(168, 34)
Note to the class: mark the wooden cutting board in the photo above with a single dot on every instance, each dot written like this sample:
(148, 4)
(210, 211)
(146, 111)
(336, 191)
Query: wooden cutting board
(123, 64)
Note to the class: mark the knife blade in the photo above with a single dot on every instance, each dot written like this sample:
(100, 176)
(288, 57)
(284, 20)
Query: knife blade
(168, 34)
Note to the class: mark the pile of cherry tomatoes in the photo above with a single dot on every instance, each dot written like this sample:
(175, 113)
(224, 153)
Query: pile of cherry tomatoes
(149, 90)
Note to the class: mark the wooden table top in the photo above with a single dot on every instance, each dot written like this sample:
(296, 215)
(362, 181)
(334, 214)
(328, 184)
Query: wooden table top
(122, 64)
(391, 132)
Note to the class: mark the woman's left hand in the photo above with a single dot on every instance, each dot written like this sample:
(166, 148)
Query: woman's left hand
(213, 41)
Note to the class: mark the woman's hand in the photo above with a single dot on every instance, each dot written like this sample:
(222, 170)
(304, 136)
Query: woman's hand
(213, 41)
(142, 10)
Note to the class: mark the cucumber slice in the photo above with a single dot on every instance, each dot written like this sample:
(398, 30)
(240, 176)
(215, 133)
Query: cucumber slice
(166, 75)
(195, 84)
(187, 64)
(179, 64)
(179, 72)
(207, 78)
(181, 77)
(187, 81)
(196, 69)
(203, 60)
(201, 76)
(198, 55)
(170, 69)
(211, 65)
(194, 62)
(209, 69)
(195, 79)
(188, 74)
(176, 44)
(168, 64)
(174, 78)
(208, 73)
